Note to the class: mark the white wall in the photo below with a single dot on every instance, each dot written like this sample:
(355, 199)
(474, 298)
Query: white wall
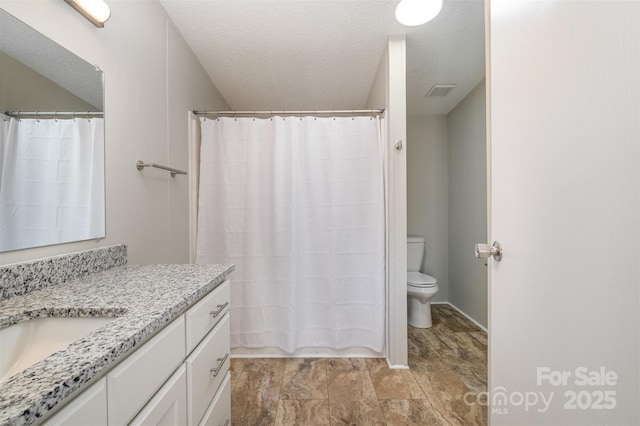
(389, 91)
(427, 194)
(152, 80)
(468, 203)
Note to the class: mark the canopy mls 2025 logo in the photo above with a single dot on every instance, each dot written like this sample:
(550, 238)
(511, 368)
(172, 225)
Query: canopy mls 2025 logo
(577, 389)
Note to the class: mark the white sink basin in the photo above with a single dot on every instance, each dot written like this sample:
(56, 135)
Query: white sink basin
(28, 342)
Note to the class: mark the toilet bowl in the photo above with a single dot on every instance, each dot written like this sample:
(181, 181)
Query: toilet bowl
(420, 287)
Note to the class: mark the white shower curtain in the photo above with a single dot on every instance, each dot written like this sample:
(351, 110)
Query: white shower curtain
(51, 181)
(297, 204)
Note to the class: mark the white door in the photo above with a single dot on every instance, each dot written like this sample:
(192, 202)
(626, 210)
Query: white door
(564, 104)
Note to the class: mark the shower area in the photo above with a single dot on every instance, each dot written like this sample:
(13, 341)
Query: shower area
(296, 200)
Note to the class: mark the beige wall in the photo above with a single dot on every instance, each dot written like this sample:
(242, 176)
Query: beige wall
(23, 89)
(151, 80)
(427, 196)
(468, 204)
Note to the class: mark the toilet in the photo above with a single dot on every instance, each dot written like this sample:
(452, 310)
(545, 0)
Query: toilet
(420, 287)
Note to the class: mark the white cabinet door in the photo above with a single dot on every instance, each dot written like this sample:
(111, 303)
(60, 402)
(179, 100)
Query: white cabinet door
(132, 383)
(90, 408)
(564, 108)
(219, 412)
(206, 368)
(169, 406)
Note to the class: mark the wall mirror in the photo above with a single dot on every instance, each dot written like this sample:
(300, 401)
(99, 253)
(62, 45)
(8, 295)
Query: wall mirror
(51, 141)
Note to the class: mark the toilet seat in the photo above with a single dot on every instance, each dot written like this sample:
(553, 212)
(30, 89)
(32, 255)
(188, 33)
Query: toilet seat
(418, 279)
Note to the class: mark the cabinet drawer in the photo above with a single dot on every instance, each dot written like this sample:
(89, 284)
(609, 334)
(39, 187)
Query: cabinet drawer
(207, 366)
(219, 412)
(138, 377)
(90, 408)
(205, 314)
(169, 405)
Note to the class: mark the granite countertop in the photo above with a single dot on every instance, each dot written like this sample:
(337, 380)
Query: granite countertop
(143, 298)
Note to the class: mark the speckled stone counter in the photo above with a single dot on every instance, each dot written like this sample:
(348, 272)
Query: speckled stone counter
(143, 298)
(22, 278)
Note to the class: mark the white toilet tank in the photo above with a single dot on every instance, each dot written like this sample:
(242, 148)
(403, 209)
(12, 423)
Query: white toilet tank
(415, 252)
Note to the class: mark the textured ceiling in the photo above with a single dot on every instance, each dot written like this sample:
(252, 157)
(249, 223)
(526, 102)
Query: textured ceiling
(51, 60)
(323, 54)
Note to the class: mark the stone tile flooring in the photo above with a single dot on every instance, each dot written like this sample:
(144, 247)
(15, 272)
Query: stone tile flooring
(446, 362)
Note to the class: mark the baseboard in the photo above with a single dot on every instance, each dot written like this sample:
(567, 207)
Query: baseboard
(464, 314)
(397, 367)
(305, 353)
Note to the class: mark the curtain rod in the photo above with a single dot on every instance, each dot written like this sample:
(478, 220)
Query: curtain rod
(365, 112)
(54, 114)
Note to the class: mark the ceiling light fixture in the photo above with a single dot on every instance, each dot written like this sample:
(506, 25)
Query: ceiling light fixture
(412, 13)
(96, 11)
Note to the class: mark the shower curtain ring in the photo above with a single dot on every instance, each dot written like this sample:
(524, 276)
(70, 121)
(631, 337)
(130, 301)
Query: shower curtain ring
(37, 118)
(88, 117)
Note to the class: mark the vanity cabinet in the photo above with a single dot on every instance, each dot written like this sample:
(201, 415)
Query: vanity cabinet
(138, 377)
(169, 405)
(180, 376)
(90, 408)
(205, 314)
(218, 413)
(207, 343)
(203, 378)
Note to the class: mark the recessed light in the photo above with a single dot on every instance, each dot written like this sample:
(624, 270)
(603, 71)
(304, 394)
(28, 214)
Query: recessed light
(412, 13)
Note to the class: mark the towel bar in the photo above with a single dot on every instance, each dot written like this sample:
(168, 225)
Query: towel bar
(141, 165)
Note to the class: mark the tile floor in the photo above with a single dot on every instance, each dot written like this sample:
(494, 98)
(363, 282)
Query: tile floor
(446, 361)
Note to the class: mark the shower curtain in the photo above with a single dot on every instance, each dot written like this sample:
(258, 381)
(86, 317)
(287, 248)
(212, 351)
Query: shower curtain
(49, 186)
(297, 204)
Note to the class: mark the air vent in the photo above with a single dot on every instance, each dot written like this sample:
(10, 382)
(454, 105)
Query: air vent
(439, 90)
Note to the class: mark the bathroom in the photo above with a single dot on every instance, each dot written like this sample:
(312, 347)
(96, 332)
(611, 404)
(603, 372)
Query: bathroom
(152, 79)
(148, 210)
